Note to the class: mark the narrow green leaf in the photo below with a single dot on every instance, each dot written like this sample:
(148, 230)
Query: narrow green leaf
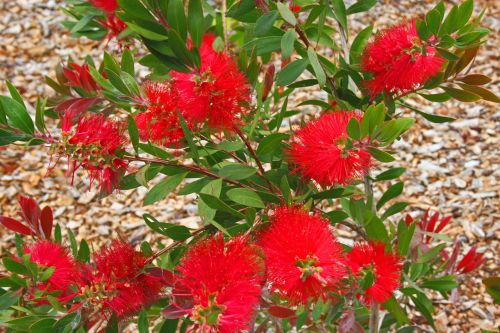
(288, 43)
(195, 17)
(381, 155)
(391, 193)
(291, 72)
(17, 114)
(340, 13)
(390, 174)
(461, 95)
(265, 23)
(245, 197)
(14, 93)
(353, 129)
(143, 323)
(163, 188)
(40, 114)
(218, 204)
(318, 70)
(177, 18)
(133, 132)
(127, 64)
(359, 43)
(396, 310)
(237, 171)
(286, 13)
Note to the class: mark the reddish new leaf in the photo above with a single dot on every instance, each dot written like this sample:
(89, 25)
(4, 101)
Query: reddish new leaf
(46, 221)
(30, 211)
(280, 311)
(15, 226)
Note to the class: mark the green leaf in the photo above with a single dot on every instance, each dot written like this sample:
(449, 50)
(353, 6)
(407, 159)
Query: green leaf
(373, 118)
(14, 93)
(143, 323)
(340, 13)
(15, 267)
(288, 43)
(448, 25)
(9, 298)
(464, 13)
(127, 64)
(380, 155)
(405, 235)
(286, 13)
(391, 193)
(447, 54)
(163, 188)
(117, 82)
(133, 132)
(318, 70)
(169, 326)
(271, 144)
(285, 189)
(40, 114)
(359, 44)
(337, 216)
(291, 72)
(442, 284)
(442, 97)
(422, 31)
(237, 171)
(173, 231)
(213, 188)
(189, 138)
(394, 209)
(361, 6)
(83, 252)
(392, 129)
(218, 204)
(265, 23)
(177, 18)
(461, 95)
(475, 79)
(431, 254)
(195, 17)
(376, 230)
(353, 129)
(433, 118)
(396, 310)
(47, 273)
(433, 20)
(245, 197)
(390, 174)
(149, 34)
(17, 114)
(424, 305)
(480, 91)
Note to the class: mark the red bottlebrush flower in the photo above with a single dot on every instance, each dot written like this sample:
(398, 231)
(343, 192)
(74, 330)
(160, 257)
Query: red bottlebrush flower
(320, 153)
(303, 259)
(399, 61)
(114, 25)
(385, 268)
(120, 282)
(93, 146)
(66, 274)
(160, 122)
(108, 6)
(219, 284)
(79, 77)
(295, 8)
(216, 93)
(471, 261)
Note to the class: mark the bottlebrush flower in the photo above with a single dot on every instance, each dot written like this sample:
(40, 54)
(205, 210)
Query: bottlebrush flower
(320, 152)
(160, 122)
(108, 6)
(79, 77)
(303, 259)
(215, 94)
(471, 261)
(219, 284)
(120, 283)
(399, 61)
(384, 267)
(66, 273)
(93, 147)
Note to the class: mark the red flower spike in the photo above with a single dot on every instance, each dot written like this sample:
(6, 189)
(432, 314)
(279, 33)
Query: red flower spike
(471, 261)
(320, 153)
(93, 146)
(217, 93)
(108, 6)
(399, 61)
(219, 284)
(66, 274)
(120, 282)
(160, 123)
(303, 259)
(384, 266)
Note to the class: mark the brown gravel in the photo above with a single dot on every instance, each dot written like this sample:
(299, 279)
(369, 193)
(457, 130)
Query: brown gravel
(451, 167)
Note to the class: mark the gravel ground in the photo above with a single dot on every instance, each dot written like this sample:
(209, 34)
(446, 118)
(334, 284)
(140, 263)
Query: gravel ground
(450, 166)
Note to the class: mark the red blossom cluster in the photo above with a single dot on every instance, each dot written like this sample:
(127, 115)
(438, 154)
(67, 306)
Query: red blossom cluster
(215, 95)
(399, 61)
(93, 146)
(79, 77)
(322, 153)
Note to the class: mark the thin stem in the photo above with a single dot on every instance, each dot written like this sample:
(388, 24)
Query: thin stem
(262, 172)
(224, 23)
(173, 245)
(374, 317)
(348, 224)
(307, 43)
(192, 168)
